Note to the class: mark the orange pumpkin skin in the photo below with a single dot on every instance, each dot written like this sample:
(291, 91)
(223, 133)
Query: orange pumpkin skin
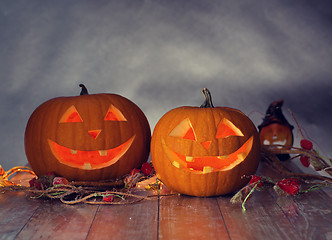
(84, 138)
(178, 174)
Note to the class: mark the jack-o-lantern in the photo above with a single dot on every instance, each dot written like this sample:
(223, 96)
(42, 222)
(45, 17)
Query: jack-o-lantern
(206, 151)
(88, 137)
(275, 129)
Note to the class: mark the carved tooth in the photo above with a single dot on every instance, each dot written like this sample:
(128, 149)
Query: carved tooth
(103, 152)
(207, 169)
(266, 142)
(189, 159)
(87, 166)
(73, 151)
(223, 157)
(176, 164)
(280, 143)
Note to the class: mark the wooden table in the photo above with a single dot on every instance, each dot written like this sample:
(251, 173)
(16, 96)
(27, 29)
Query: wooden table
(307, 216)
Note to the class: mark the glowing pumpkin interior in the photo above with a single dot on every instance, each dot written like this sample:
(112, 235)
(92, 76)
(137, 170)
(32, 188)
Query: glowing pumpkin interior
(207, 164)
(89, 160)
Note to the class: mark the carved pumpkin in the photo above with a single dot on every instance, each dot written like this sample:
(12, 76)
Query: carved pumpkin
(275, 129)
(205, 151)
(88, 137)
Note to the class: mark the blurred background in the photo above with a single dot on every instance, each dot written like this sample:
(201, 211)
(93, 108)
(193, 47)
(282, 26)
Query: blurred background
(161, 53)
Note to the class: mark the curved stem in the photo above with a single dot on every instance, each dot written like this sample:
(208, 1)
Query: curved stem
(208, 99)
(84, 90)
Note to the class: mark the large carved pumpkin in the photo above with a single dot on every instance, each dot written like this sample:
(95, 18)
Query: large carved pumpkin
(205, 151)
(89, 137)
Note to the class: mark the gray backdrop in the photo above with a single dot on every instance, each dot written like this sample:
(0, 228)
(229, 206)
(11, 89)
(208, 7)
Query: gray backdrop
(161, 53)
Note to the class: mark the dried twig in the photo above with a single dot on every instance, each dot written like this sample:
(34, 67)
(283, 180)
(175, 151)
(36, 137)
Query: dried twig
(270, 155)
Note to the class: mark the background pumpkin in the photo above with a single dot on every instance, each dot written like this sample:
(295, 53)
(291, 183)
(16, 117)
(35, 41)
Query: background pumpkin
(85, 127)
(208, 134)
(275, 129)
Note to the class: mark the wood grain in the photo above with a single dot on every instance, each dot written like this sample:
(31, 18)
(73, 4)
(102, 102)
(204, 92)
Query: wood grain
(310, 214)
(184, 217)
(268, 216)
(54, 220)
(263, 219)
(136, 221)
(15, 211)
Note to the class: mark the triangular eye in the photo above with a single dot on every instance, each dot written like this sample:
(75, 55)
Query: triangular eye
(71, 115)
(184, 130)
(226, 129)
(114, 114)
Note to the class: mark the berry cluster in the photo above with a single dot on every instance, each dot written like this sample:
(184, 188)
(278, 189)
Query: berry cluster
(306, 145)
(287, 186)
(135, 174)
(47, 181)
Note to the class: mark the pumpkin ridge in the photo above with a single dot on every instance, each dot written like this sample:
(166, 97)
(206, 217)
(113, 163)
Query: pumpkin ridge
(178, 176)
(43, 124)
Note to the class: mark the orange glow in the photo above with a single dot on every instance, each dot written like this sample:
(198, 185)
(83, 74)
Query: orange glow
(71, 115)
(89, 160)
(226, 129)
(184, 130)
(114, 114)
(190, 135)
(205, 164)
(206, 144)
(94, 133)
(276, 134)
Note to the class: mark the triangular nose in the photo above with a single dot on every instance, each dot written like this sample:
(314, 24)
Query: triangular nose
(206, 144)
(94, 133)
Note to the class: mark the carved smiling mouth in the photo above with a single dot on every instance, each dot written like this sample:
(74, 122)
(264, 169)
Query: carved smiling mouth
(89, 160)
(206, 164)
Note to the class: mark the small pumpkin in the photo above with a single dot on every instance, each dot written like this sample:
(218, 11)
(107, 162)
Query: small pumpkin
(205, 151)
(275, 129)
(88, 137)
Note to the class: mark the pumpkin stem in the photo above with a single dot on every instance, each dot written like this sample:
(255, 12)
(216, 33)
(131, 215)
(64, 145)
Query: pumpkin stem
(84, 90)
(208, 99)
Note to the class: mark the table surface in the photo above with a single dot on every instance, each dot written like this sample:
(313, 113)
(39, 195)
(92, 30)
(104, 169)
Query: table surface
(268, 216)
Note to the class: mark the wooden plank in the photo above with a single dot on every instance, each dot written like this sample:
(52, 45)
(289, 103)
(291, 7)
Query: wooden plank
(54, 220)
(184, 217)
(133, 221)
(310, 214)
(328, 191)
(15, 211)
(268, 216)
(263, 219)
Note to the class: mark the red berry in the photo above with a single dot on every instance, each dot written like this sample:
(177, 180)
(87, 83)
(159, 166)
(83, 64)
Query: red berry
(146, 169)
(35, 183)
(255, 179)
(38, 185)
(290, 186)
(32, 182)
(306, 144)
(60, 180)
(305, 161)
(108, 197)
